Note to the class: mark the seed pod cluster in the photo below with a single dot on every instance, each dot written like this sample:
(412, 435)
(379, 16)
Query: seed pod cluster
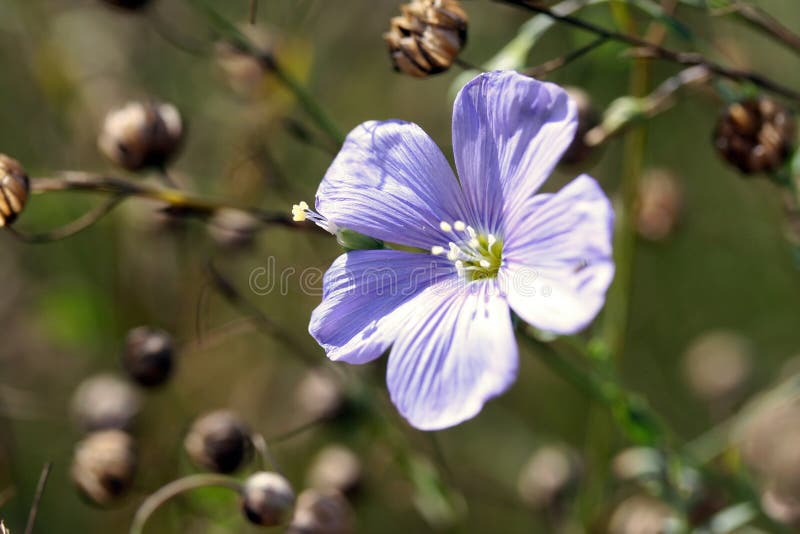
(149, 356)
(755, 135)
(219, 441)
(104, 465)
(141, 135)
(427, 37)
(14, 189)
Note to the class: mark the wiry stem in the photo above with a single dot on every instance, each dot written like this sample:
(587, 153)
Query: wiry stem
(37, 498)
(660, 52)
(175, 488)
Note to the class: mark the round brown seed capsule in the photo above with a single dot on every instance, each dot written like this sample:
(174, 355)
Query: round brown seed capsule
(427, 37)
(321, 511)
(658, 205)
(755, 135)
(103, 402)
(335, 467)
(219, 441)
(233, 229)
(550, 477)
(127, 4)
(14, 189)
(149, 356)
(104, 465)
(588, 118)
(267, 499)
(141, 135)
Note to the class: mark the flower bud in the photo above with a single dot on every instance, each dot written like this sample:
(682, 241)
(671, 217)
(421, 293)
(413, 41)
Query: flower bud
(319, 396)
(717, 366)
(427, 37)
(549, 478)
(659, 205)
(104, 465)
(755, 135)
(14, 189)
(127, 4)
(321, 512)
(219, 441)
(588, 117)
(105, 402)
(233, 229)
(335, 467)
(149, 356)
(267, 499)
(141, 135)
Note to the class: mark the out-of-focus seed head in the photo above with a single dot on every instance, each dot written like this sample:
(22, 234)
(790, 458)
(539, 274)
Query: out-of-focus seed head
(588, 117)
(141, 135)
(717, 366)
(637, 463)
(267, 499)
(149, 356)
(781, 508)
(336, 467)
(104, 465)
(319, 396)
(659, 205)
(105, 402)
(127, 4)
(3, 529)
(427, 37)
(219, 441)
(14, 190)
(640, 514)
(233, 229)
(755, 135)
(550, 477)
(321, 511)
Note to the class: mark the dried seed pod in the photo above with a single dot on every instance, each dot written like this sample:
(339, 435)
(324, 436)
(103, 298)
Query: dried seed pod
(659, 205)
(319, 396)
(588, 117)
(427, 37)
(321, 512)
(141, 135)
(717, 366)
(219, 441)
(267, 499)
(549, 478)
(104, 465)
(14, 189)
(105, 402)
(233, 229)
(638, 463)
(149, 356)
(127, 4)
(755, 135)
(640, 514)
(336, 467)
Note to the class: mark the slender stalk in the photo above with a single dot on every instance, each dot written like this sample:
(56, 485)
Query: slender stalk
(37, 498)
(762, 21)
(175, 488)
(75, 227)
(661, 52)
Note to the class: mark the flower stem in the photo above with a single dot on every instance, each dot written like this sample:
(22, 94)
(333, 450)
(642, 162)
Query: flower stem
(175, 488)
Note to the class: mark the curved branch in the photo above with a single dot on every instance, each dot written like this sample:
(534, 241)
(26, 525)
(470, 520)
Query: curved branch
(75, 227)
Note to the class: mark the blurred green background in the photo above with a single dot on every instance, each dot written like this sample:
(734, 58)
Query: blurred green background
(65, 307)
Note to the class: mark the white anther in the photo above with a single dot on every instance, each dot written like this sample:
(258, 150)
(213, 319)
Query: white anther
(459, 226)
(437, 250)
(471, 232)
(485, 264)
(445, 226)
(474, 242)
(491, 239)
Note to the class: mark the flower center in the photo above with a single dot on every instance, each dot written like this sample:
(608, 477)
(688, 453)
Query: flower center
(476, 256)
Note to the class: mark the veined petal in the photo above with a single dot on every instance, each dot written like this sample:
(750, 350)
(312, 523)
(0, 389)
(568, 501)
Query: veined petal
(557, 261)
(458, 352)
(390, 181)
(364, 293)
(509, 131)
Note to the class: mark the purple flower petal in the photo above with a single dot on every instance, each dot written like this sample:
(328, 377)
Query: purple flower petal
(390, 181)
(509, 131)
(364, 293)
(557, 261)
(458, 352)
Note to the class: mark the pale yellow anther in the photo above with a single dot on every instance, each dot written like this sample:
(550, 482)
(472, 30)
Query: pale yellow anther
(445, 226)
(459, 226)
(474, 243)
(459, 265)
(437, 250)
(299, 212)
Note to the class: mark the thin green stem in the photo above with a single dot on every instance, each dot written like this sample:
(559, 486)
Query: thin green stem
(175, 488)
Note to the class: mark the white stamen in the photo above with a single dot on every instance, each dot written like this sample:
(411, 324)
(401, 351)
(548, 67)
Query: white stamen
(474, 242)
(437, 250)
(492, 240)
(459, 226)
(485, 264)
(471, 232)
(445, 226)
(454, 252)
